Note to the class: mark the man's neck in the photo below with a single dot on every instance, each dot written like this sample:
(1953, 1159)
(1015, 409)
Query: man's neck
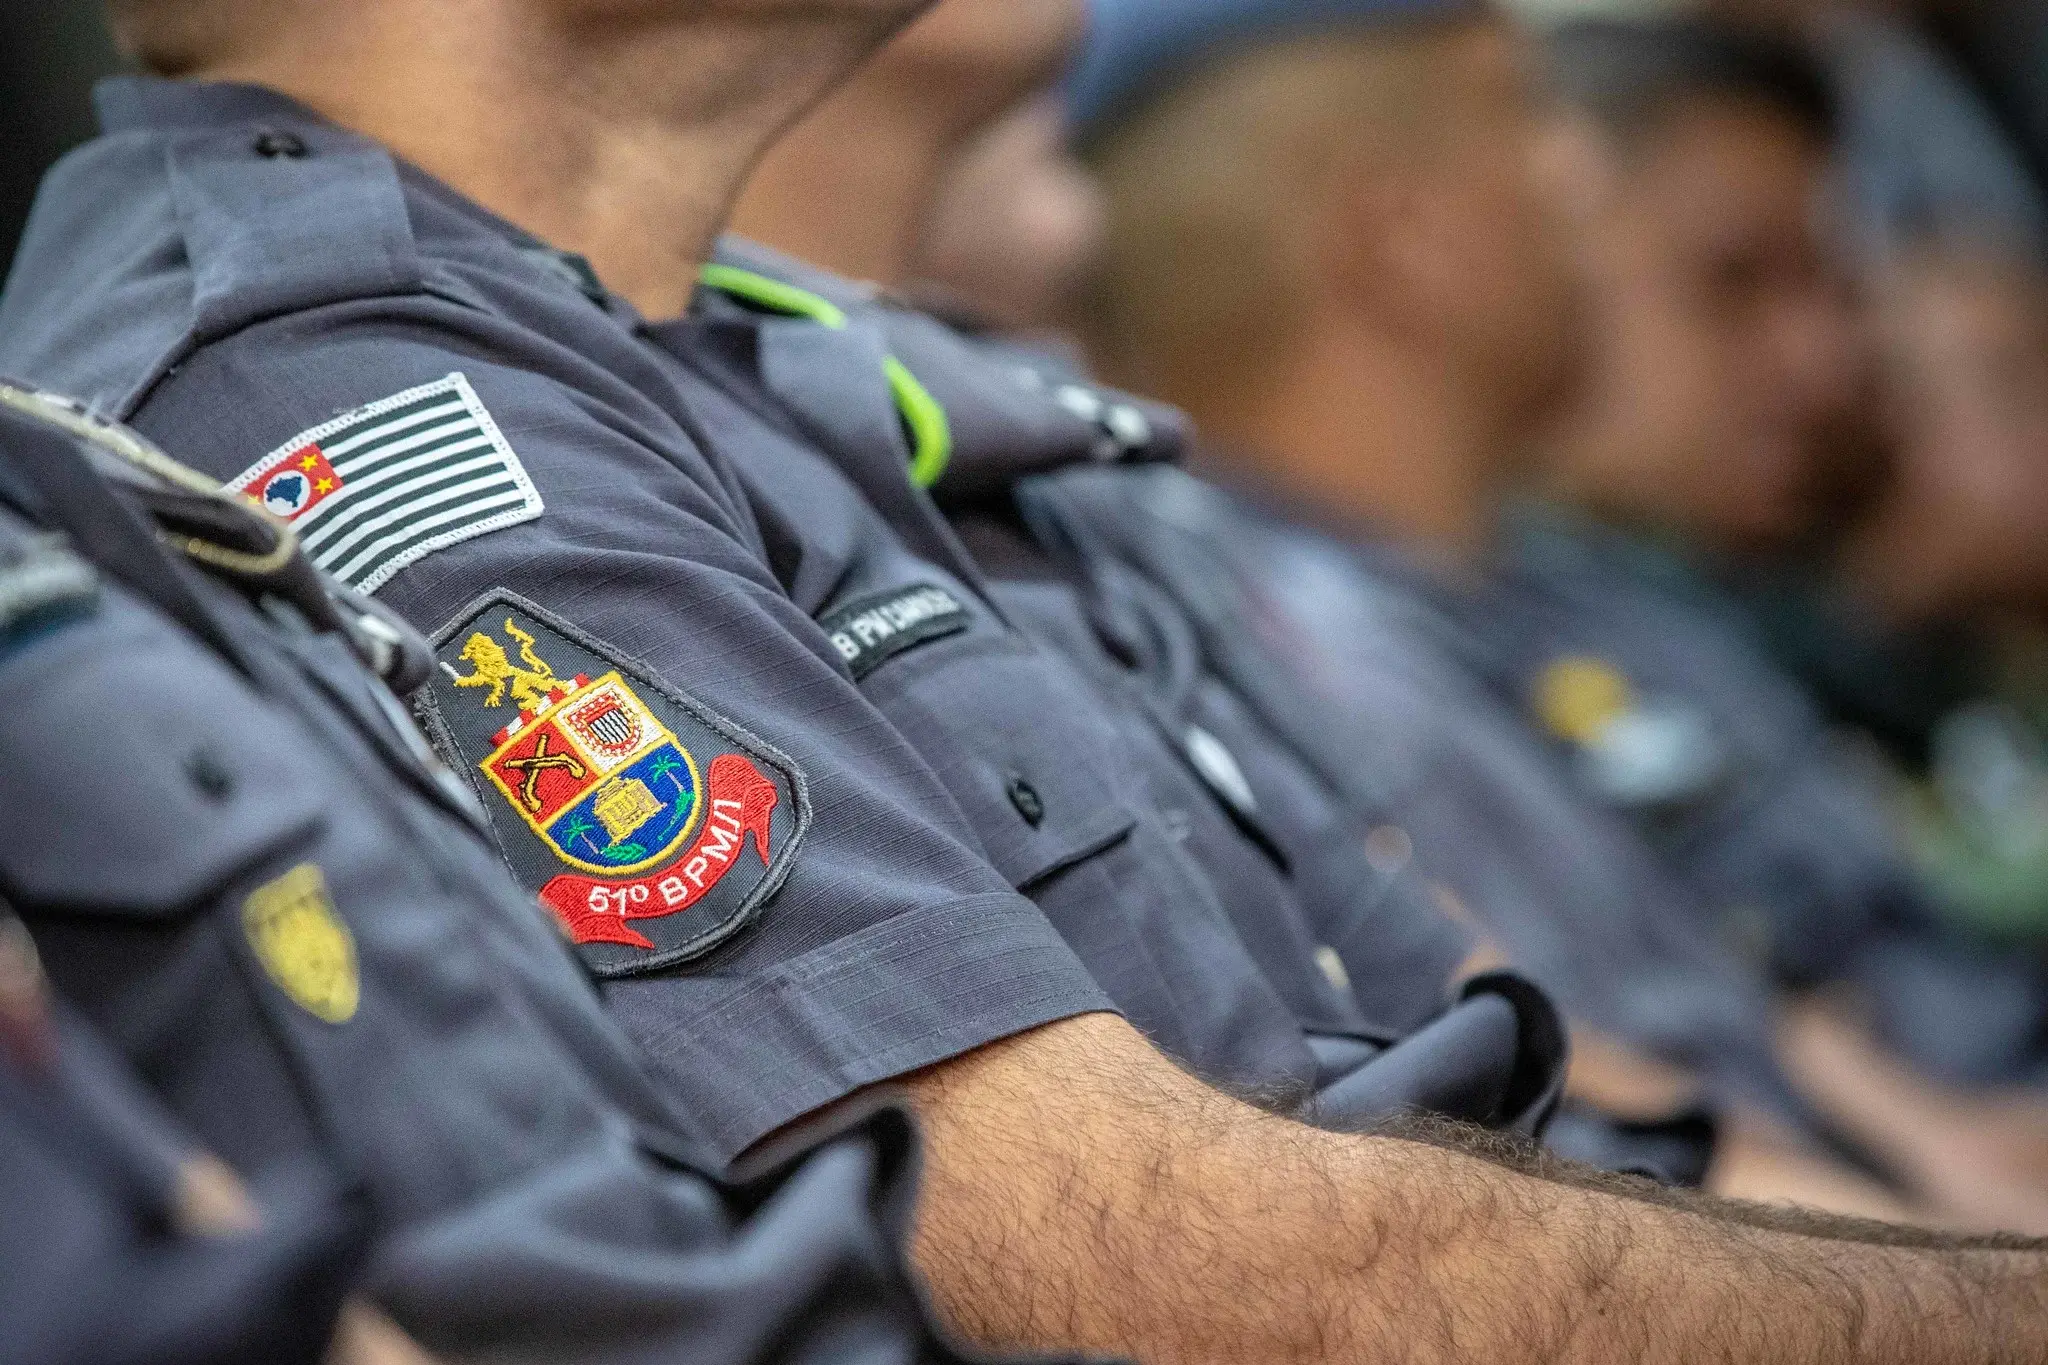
(625, 141)
(1375, 443)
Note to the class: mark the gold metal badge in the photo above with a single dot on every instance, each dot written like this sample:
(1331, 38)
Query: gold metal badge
(303, 945)
(1578, 698)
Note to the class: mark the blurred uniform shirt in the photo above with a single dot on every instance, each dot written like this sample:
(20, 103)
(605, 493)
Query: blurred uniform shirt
(1652, 685)
(1337, 654)
(101, 1263)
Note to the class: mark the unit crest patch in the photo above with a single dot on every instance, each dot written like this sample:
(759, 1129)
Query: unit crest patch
(650, 826)
(386, 485)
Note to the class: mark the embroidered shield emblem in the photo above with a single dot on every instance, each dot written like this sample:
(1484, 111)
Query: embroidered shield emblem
(651, 827)
(303, 945)
(596, 776)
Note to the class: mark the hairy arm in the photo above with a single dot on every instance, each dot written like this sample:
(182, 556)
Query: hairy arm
(1083, 1193)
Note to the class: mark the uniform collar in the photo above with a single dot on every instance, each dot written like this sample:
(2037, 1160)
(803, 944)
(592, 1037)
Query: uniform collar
(237, 145)
(1002, 411)
(151, 103)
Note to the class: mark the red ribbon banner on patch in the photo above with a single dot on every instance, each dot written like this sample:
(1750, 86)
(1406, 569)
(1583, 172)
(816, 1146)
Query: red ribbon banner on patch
(738, 803)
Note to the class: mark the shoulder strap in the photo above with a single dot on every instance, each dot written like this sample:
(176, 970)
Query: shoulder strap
(44, 473)
(103, 485)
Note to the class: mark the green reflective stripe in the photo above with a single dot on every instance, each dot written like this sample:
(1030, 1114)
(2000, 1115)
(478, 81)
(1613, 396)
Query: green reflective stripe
(773, 295)
(931, 434)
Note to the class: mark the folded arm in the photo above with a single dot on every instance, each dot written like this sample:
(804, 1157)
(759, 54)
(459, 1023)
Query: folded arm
(1084, 1193)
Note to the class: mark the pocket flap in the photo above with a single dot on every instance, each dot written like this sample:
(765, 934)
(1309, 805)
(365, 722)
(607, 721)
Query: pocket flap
(139, 772)
(1029, 759)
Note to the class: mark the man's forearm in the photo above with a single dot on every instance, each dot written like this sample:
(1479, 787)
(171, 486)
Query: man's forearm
(1085, 1194)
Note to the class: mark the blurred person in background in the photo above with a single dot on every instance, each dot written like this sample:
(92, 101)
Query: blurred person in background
(1726, 362)
(1922, 639)
(1722, 393)
(1953, 548)
(1919, 622)
(1419, 764)
(1413, 472)
(1938, 580)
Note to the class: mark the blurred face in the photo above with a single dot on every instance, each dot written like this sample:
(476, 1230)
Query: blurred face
(1495, 258)
(1963, 523)
(1016, 224)
(981, 56)
(1728, 347)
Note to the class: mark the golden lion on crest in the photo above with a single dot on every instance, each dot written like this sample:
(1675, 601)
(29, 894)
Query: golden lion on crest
(531, 686)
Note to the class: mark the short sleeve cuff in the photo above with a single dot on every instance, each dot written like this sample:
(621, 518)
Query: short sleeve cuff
(751, 1055)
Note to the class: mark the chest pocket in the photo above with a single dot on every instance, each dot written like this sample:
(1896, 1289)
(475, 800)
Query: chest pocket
(1019, 744)
(144, 778)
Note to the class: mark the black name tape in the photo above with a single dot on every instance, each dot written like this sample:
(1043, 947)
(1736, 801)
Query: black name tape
(869, 631)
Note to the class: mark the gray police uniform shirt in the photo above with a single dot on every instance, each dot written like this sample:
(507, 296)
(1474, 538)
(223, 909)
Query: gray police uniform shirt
(671, 622)
(242, 865)
(1421, 750)
(1669, 714)
(1652, 686)
(95, 1266)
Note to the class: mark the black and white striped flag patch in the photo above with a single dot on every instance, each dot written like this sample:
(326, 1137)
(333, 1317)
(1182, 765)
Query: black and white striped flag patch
(383, 486)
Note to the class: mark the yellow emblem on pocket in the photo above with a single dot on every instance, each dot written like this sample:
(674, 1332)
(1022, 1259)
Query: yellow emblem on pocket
(303, 945)
(1578, 698)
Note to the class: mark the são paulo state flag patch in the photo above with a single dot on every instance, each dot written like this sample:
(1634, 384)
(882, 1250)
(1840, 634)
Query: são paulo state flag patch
(386, 485)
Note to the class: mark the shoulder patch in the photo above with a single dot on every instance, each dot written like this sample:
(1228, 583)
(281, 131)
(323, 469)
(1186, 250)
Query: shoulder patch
(653, 828)
(388, 484)
(869, 631)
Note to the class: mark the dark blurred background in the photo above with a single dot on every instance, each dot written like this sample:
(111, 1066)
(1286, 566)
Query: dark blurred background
(51, 51)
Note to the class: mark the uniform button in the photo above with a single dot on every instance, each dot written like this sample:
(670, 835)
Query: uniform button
(1028, 802)
(1333, 967)
(1389, 849)
(210, 776)
(1129, 426)
(273, 144)
(1219, 769)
